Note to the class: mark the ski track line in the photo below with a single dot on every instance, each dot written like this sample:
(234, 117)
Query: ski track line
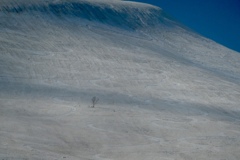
(165, 127)
(61, 115)
(71, 111)
(97, 157)
(47, 53)
(152, 138)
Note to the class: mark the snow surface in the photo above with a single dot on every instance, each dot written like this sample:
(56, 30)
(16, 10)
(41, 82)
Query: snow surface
(164, 92)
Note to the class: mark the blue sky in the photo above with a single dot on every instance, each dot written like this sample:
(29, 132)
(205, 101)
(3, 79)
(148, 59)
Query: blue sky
(218, 20)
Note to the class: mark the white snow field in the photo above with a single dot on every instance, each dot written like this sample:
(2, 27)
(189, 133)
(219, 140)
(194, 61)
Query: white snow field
(165, 92)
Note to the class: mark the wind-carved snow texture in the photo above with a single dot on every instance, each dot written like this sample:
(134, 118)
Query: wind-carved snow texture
(164, 91)
(120, 14)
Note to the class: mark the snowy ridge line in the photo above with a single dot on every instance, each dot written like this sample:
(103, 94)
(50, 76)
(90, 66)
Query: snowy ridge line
(119, 14)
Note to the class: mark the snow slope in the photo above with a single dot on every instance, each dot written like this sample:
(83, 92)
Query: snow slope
(165, 92)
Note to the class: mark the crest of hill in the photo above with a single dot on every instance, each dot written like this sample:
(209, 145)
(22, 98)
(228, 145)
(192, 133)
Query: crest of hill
(116, 13)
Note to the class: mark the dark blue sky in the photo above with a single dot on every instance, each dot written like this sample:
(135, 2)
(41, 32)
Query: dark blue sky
(218, 20)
